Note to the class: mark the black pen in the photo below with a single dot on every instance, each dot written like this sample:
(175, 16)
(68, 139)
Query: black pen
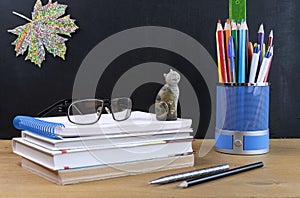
(190, 174)
(189, 183)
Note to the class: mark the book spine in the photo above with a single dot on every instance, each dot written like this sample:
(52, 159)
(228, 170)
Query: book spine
(40, 127)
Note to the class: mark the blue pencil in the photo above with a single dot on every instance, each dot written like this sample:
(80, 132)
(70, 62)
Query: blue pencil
(242, 53)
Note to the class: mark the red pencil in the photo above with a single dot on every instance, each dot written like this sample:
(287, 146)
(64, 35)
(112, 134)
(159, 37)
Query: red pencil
(221, 50)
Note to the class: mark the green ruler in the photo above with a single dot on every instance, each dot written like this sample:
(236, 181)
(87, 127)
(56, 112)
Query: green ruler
(237, 9)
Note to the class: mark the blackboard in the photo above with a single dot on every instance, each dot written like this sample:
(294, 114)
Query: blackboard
(27, 89)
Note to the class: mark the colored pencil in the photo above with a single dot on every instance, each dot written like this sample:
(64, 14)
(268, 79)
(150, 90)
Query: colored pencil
(219, 61)
(233, 171)
(242, 53)
(270, 43)
(221, 49)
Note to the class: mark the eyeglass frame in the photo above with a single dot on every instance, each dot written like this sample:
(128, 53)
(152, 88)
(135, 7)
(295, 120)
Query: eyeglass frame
(64, 105)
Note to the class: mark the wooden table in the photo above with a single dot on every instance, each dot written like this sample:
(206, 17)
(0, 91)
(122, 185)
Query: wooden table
(280, 177)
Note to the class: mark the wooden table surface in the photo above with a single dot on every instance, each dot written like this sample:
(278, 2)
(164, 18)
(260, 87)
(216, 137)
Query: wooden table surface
(280, 177)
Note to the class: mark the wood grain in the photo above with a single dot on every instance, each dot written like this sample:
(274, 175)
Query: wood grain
(278, 178)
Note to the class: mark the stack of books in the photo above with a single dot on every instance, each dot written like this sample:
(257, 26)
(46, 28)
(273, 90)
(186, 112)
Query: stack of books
(65, 153)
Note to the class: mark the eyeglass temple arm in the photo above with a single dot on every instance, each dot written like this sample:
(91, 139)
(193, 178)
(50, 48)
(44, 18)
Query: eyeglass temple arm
(47, 110)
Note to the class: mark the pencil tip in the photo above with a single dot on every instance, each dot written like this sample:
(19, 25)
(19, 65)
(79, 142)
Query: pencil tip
(152, 182)
(261, 28)
(183, 184)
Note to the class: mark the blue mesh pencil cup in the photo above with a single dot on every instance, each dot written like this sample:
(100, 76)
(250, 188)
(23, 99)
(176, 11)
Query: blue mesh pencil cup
(242, 118)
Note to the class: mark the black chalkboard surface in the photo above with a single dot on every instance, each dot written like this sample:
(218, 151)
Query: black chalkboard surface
(27, 89)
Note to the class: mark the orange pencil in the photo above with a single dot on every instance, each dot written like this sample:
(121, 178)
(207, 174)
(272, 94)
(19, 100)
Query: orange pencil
(227, 30)
(221, 50)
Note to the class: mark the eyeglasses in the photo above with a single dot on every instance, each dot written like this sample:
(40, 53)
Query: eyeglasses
(88, 111)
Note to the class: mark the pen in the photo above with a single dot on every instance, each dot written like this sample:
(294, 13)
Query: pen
(190, 174)
(231, 56)
(260, 40)
(254, 63)
(189, 183)
(265, 65)
(234, 34)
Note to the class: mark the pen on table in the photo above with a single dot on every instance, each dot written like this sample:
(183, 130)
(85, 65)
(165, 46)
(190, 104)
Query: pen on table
(242, 52)
(189, 183)
(264, 66)
(190, 174)
(260, 40)
(231, 56)
(234, 34)
(227, 30)
(270, 43)
(221, 50)
(254, 63)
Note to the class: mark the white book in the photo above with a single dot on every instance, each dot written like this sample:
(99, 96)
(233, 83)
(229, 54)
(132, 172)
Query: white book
(84, 157)
(78, 175)
(106, 140)
(61, 127)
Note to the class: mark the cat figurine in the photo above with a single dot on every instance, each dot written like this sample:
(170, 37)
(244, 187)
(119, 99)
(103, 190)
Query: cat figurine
(167, 98)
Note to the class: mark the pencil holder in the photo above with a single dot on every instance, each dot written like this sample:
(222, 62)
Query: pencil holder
(242, 118)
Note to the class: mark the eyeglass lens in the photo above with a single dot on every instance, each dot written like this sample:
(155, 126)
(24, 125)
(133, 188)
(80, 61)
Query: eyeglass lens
(89, 111)
(121, 108)
(85, 111)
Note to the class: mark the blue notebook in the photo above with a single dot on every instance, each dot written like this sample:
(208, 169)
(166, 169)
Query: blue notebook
(40, 127)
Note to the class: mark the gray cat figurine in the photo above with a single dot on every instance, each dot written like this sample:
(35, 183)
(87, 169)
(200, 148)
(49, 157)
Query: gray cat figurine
(167, 98)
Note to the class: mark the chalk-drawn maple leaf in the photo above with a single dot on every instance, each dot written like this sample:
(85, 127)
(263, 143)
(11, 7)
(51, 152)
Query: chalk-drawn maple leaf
(44, 30)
